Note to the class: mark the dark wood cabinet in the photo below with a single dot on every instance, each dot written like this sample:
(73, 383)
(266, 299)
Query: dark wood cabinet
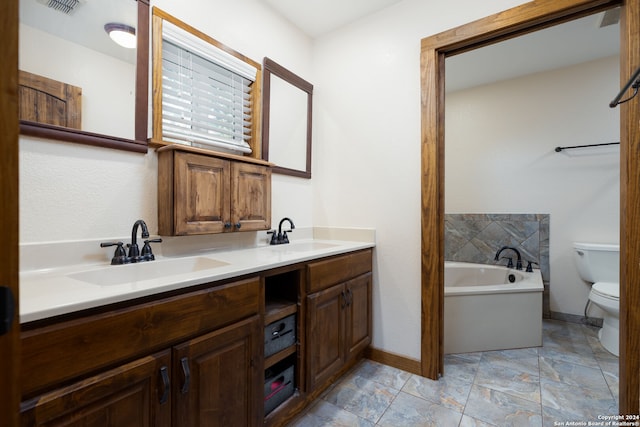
(132, 395)
(326, 343)
(339, 314)
(204, 194)
(358, 315)
(216, 378)
(197, 357)
(208, 372)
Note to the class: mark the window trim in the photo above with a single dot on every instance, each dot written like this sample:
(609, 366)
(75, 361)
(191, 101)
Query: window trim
(158, 17)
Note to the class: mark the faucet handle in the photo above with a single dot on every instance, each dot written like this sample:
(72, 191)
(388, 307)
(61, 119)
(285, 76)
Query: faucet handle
(510, 262)
(529, 267)
(120, 255)
(147, 254)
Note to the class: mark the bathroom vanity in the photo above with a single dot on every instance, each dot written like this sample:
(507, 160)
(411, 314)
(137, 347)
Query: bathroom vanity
(192, 349)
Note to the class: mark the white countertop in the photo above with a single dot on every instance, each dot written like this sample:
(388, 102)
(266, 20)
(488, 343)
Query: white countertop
(55, 291)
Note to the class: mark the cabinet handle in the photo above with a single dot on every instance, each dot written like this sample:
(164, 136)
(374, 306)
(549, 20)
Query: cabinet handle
(187, 375)
(166, 385)
(350, 296)
(344, 299)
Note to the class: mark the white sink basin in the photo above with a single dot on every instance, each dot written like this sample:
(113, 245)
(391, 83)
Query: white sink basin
(131, 273)
(301, 247)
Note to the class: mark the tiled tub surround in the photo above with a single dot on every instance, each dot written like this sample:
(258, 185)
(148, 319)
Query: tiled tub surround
(476, 238)
(49, 271)
(570, 378)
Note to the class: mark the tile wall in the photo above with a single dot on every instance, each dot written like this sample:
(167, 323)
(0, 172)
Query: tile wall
(477, 237)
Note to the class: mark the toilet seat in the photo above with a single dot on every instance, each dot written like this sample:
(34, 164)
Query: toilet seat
(608, 290)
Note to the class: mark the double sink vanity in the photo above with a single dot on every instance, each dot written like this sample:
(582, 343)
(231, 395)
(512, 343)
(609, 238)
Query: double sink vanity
(181, 340)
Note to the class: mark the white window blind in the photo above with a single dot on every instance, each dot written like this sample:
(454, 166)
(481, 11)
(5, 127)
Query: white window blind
(206, 93)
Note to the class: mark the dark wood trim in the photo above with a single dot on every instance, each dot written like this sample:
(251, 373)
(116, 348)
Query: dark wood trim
(142, 72)
(57, 133)
(271, 67)
(158, 17)
(395, 360)
(139, 144)
(501, 26)
(9, 214)
(629, 374)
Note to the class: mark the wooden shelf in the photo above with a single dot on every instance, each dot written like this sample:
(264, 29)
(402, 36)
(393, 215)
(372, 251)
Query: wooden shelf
(281, 355)
(275, 310)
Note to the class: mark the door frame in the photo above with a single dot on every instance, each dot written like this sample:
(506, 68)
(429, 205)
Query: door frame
(520, 20)
(9, 342)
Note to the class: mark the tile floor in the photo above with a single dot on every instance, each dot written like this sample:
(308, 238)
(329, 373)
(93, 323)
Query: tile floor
(570, 378)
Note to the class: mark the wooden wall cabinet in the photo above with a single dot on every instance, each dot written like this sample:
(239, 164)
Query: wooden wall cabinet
(204, 194)
(338, 313)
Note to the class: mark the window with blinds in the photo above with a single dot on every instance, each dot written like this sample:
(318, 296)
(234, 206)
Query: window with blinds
(207, 93)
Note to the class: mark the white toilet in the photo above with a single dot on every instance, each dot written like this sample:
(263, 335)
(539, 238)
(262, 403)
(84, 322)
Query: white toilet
(600, 264)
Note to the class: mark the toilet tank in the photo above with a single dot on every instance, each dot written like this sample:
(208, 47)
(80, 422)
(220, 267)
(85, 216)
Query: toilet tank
(597, 262)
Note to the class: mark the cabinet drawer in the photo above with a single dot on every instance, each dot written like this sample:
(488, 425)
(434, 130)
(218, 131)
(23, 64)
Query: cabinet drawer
(326, 273)
(67, 350)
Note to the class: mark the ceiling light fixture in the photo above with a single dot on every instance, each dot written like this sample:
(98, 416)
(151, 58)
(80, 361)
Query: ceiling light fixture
(122, 34)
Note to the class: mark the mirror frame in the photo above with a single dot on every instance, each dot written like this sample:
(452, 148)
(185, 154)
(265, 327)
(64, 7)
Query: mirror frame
(139, 143)
(271, 67)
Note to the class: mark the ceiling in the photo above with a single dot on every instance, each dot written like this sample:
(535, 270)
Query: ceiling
(564, 45)
(85, 24)
(318, 17)
(560, 46)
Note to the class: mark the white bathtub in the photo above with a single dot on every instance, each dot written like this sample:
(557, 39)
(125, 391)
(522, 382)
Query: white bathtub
(483, 311)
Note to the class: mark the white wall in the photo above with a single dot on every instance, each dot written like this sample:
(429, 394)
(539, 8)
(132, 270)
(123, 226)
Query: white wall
(71, 192)
(367, 147)
(500, 158)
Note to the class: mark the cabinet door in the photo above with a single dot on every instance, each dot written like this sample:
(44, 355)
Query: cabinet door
(202, 194)
(216, 378)
(134, 395)
(358, 311)
(325, 333)
(251, 197)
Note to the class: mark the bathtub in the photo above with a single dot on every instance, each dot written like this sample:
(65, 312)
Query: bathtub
(489, 307)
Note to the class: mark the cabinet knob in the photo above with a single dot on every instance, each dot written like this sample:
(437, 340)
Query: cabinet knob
(227, 225)
(238, 224)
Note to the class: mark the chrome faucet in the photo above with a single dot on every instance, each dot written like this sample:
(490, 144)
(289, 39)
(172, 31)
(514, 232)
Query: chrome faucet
(510, 265)
(281, 237)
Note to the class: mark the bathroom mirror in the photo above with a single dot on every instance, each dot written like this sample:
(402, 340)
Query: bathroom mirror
(286, 118)
(67, 42)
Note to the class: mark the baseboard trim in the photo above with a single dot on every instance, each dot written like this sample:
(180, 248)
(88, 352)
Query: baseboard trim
(575, 318)
(395, 360)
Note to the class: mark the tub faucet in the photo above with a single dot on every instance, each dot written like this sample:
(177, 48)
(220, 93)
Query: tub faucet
(134, 251)
(519, 258)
